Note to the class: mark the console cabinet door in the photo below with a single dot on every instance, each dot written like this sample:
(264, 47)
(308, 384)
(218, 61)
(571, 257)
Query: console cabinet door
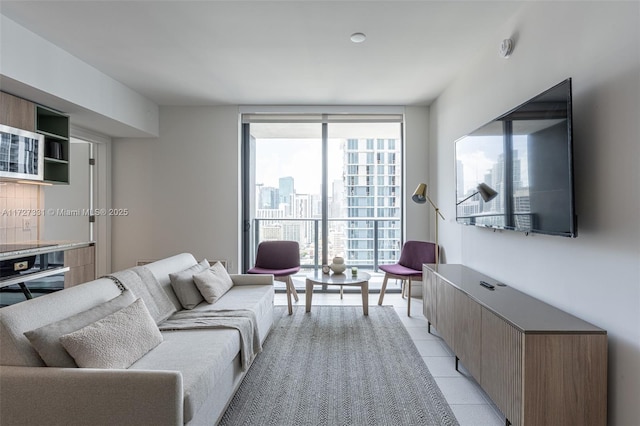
(502, 370)
(446, 312)
(468, 334)
(429, 296)
(565, 379)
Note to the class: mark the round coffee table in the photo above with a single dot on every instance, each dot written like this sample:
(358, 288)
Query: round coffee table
(318, 278)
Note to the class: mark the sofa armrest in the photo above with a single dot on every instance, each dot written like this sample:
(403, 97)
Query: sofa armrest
(252, 279)
(84, 396)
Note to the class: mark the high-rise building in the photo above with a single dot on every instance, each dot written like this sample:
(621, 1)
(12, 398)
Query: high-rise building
(286, 191)
(268, 197)
(372, 176)
(270, 229)
(459, 178)
(303, 209)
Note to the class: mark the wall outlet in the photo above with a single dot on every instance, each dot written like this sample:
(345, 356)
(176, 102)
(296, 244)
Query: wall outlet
(26, 224)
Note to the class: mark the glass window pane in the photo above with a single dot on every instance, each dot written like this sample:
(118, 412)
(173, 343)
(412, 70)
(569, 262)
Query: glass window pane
(287, 182)
(368, 193)
(363, 188)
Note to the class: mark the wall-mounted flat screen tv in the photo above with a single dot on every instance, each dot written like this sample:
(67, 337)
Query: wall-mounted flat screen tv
(516, 172)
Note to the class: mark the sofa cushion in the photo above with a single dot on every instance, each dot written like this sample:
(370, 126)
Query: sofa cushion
(184, 286)
(258, 298)
(162, 268)
(213, 282)
(17, 319)
(200, 355)
(144, 284)
(115, 341)
(46, 339)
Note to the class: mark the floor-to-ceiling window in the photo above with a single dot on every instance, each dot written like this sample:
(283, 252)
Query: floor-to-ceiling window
(331, 182)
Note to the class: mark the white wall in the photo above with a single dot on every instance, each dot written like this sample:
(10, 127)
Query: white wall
(418, 217)
(597, 275)
(182, 189)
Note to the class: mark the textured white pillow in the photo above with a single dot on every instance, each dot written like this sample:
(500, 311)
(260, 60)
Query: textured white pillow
(46, 339)
(184, 287)
(213, 283)
(115, 341)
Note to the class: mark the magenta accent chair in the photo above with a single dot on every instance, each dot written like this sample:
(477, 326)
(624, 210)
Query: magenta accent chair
(409, 267)
(282, 259)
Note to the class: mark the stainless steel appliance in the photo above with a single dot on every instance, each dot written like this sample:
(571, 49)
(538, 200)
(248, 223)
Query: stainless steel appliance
(21, 154)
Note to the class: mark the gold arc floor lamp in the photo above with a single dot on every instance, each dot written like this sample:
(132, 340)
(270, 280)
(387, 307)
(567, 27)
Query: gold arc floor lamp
(420, 196)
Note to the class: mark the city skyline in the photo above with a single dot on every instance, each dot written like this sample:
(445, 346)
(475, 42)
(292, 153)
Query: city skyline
(302, 158)
(363, 193)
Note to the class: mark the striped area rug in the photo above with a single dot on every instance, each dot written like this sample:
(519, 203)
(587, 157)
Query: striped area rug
(335, 366)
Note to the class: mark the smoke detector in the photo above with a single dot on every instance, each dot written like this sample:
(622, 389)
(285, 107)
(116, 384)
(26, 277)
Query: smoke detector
(358, 37)
(506, 48)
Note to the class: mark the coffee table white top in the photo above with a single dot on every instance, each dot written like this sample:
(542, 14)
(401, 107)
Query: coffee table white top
(345, 278)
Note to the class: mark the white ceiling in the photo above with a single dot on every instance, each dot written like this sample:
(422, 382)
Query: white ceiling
(272, 52)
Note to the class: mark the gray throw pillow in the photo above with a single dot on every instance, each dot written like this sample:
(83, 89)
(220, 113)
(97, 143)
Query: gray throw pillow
(46, 339)
(184, 287)
(116, 341)
(213, 283)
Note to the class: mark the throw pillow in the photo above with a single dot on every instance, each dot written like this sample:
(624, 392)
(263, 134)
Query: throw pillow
(46, 339)
(115, 341)
(213, 283)
(184, 287)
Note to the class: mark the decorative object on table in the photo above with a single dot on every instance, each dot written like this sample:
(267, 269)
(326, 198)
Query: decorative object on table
(282, 259)
(338, 266)
(420, 196)
(413, 255)
(354, 271)
(326, 269)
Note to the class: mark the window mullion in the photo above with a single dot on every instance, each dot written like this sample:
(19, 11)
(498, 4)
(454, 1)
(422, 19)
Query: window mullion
(325, 194)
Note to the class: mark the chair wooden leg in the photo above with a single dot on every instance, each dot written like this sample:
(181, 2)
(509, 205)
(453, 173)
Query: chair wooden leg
(403, 288)
(409, 299)
(384, 287)
(289, 297)
(293, 289)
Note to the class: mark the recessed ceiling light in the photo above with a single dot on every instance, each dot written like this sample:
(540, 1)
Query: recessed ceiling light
(358, 37)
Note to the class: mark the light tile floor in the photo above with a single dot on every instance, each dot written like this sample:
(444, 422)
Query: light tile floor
(470, 404)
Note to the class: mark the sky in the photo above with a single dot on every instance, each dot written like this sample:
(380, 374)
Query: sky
(294, 149)
(299, 158)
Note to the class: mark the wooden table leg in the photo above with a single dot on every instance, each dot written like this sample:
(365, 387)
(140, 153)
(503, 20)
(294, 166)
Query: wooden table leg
(308, 294)
(365, 297)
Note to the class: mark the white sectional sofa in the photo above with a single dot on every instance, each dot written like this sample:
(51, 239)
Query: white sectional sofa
(189, 378)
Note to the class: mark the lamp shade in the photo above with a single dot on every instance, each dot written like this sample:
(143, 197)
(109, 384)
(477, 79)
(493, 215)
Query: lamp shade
(486, 192)
(420, 194)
